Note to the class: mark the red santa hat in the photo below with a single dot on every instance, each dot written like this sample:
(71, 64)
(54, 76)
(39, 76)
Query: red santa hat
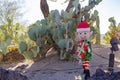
(83, 26)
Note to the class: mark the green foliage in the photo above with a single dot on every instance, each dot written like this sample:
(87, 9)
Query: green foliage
(112, 31)
(68, 56)
(28, 49)
(58, 29)
(31, 53)
(31, 34)
(65, 44)
(94, 2)
(77, 6)
(112, 21)
(10, 28)
(57, 17)
(63, 28)
(87, 16)
(4, 46)
(110, 34)
(94, 23)
(38, 32)
(23, 47)
(28, 55)
(61, 44)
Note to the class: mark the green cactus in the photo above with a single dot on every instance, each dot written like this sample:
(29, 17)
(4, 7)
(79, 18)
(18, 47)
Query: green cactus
(59, 29)
(65, 16)
(31, 34)
(95, 13)
(4, 46)
(63, 32)
(77, 6)
(23, 47)
(39, 33)
(28, 51)
(113, 22)
(87, 16)
(69, 44)
(39, 41)
(61, 44)
(57, 17)
(28, 55)
(98, 1)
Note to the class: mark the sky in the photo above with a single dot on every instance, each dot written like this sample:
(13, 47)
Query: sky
(106, 10)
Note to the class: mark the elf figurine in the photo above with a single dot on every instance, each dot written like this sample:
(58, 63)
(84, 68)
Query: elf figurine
(84, 49)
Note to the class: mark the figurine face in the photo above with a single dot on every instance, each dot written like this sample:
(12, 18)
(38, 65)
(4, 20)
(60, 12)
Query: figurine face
(84, 35)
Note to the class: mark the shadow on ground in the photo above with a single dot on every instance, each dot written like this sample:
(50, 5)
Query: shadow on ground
(51, 68)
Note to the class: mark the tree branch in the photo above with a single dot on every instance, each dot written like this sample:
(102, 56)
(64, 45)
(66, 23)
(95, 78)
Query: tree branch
(70, 5)
(44, 8)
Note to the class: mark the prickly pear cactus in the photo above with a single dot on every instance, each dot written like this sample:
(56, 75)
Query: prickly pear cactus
(23, 47)
(39, 33)
(28, 50)
(59, 28)
(4, 46)
(62, 30)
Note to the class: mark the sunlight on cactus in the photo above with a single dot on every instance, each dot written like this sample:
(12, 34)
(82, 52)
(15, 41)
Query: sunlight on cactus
(58, 29)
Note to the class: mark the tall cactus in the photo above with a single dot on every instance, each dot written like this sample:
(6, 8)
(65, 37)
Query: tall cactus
(94, 18)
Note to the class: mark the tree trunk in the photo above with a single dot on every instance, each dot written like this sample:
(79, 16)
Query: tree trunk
(44, 8)
(70, 5)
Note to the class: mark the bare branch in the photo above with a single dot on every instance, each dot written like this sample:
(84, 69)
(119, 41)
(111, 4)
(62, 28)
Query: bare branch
(44, 8)
(70, 5)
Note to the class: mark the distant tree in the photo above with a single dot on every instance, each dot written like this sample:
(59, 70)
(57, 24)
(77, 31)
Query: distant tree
(114, 31)
(10, 10)
(10, 15)
(12, 31)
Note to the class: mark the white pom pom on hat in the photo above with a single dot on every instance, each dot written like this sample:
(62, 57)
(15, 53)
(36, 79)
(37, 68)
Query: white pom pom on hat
(83, 26)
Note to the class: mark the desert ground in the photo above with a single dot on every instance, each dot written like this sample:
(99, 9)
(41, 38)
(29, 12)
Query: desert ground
(51, 68)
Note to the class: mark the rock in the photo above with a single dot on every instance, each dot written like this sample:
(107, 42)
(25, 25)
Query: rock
(11, 75)
(101, 75)
(99, 72)
(21, 68)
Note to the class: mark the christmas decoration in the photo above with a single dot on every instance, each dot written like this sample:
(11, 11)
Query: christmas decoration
(84, 48)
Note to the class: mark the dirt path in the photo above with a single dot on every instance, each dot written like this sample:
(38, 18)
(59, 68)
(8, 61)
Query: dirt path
(52, 68)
